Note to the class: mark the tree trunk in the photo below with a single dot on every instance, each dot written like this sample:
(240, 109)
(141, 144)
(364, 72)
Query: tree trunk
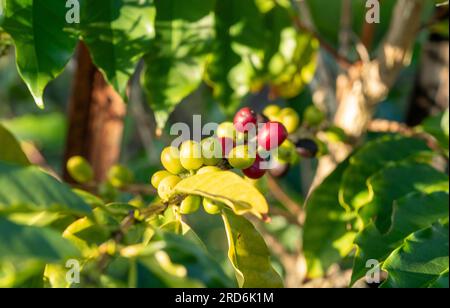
(95, 116)
(362, 87)
(431, 91)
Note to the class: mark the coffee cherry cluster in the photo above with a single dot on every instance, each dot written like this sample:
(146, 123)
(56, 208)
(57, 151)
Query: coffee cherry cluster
(253, 143)
(118, 178)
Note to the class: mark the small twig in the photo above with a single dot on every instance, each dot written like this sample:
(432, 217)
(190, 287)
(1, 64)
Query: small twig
(125, 226)
(293, 207)
(137, 189)
(386, 126)
(340, 59)
(393, 127)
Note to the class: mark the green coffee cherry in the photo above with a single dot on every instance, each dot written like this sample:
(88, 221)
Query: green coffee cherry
(335, 134)
(170, 159)
(158, 176)
(166, 187)
(226, 130)
(313, 116)
(80, 169)
(120, 176)
(241, 158)
(208, 169)
(190, 205)
(211, 151)
(271, 111)
(287, 152)
(211, 207)
(290, 119)
(191, 155)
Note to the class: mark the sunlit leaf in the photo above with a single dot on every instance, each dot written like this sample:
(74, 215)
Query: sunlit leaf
(327, 238)
(411, 213)
(118, 33)
(176, 61)
(25, 189)
(11, 151)
(43, 39)
(228, 188)
(18, 242)
(372, 157)
(395, 182)
(249, 254)
(422, 261)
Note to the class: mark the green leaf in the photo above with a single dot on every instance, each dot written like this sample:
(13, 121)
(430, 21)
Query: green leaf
(437, 126)
(19, 242)
(395, 182)
(21, 273)
(369, 160)
(43, 39)
(441, 282)
(190, 251)
(421, 261)
(238, 50)
(150, 274)
(327, 16)
(221, 187)
(249, 254)
(46, 130)
(181, 228)
(411, 213)
(11, 150)
(176, 62)
(24, 189)
(291, 57)
(118, 33)
(326, 238)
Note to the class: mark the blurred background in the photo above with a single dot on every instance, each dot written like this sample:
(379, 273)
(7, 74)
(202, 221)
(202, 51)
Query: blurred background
(420, 90)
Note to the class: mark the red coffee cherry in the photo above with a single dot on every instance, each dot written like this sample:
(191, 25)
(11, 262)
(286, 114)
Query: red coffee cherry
(245, 120)
(307, 148)
(227, 145)
(255, 171)
(279, 169)
(272, 135)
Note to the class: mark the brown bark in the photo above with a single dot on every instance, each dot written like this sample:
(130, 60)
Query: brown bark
(366, 84)
(431, 91)
(95, 115)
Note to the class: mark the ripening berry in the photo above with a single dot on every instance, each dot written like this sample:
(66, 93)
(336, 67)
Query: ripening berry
(190, 205)
(208, 169)
(279, 169)
(287, 151)
(307, 148)
(212, 207)
(170, 159)
(191, 155)
(226, 130)
(211, 151)
(255, 171)
(227, 145)
(120, 176)
(245, 120)
(312, 116)
(335, 134)
(290, 119)
(272, 135)
(158, 176)
(241, 157)
(271, 111)
(80, 169)
(166, 187)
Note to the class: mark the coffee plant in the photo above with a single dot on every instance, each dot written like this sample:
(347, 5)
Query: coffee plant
(383, 208)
